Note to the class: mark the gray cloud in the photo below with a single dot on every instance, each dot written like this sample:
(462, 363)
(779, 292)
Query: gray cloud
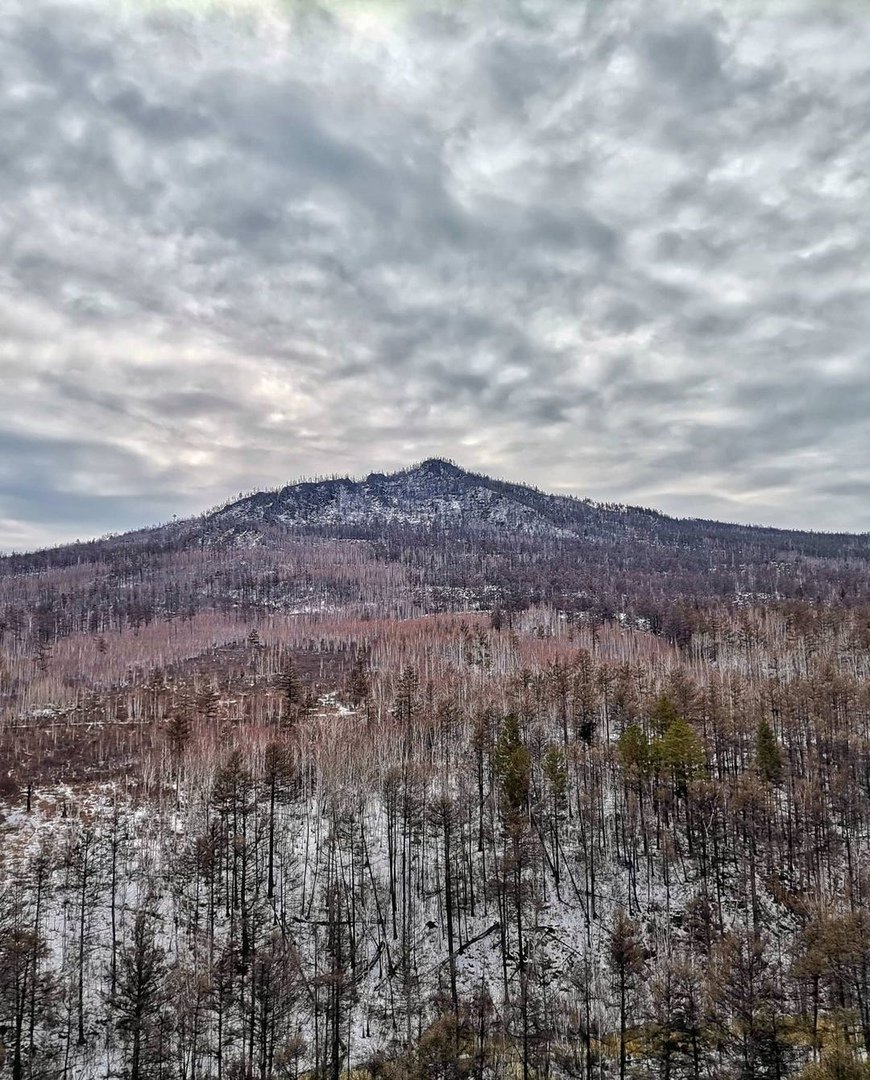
(615, 249)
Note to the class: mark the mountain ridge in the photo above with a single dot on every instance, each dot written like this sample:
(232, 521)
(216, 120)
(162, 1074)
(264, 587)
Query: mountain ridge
(444, 469)
(535, 511)
(454, 539)
(433, 493)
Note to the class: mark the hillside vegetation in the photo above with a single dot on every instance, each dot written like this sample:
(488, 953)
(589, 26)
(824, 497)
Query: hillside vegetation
(401, 779)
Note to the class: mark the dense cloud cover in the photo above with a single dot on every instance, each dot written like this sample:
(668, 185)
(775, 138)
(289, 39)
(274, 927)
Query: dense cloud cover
(613, 248)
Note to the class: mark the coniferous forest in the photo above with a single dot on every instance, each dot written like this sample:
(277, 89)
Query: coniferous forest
(376, 800)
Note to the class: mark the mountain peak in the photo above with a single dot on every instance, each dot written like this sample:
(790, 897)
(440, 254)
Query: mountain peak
(435, 493)
(438, 467)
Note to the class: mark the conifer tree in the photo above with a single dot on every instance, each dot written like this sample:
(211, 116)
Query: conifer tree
(294, 697)
(140, 998)
(768, 755)
(513, 765)
(680, 754)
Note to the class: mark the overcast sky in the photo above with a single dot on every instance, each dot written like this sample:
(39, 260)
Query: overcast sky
(617, 248)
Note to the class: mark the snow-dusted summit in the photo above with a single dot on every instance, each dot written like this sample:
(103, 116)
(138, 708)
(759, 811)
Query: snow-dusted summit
(433, 494)
(460, 529)
(438, 496)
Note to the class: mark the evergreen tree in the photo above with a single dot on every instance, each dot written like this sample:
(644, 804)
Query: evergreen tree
(680, 754)
(294, 696)
(634, 751)
(663, 714)
(768, 756)
(749, 999)
(359, 683)
(513, 765)
(140, 998)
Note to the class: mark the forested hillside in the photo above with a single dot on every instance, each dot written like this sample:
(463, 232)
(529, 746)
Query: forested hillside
(403, 779)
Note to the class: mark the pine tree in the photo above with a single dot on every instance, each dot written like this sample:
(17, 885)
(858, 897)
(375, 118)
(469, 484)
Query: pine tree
(750, 1003)
(663, 714)
(405, 700)
(634, 751)
(295, 699)
(512, 765)
(359, 683)
(768, 756)
(556, 771)
(680, 753)
(208, 701)
(140, 998)
(177, 733)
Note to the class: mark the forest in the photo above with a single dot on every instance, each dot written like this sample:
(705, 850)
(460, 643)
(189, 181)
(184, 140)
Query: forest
(391, 807)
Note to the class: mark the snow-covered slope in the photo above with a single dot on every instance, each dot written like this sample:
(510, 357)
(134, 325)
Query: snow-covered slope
(438, 495)
(435, 493)
(453, 529)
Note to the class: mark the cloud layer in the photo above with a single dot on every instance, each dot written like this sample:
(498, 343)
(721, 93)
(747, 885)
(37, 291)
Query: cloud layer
(616, 248)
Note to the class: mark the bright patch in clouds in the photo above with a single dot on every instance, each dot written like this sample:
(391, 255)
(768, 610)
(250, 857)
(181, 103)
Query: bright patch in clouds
(614, 248)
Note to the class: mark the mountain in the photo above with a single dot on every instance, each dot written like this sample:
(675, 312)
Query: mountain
(434, 494)
(435, 537)
(429, 775)
(507, 538)
(438, 494)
